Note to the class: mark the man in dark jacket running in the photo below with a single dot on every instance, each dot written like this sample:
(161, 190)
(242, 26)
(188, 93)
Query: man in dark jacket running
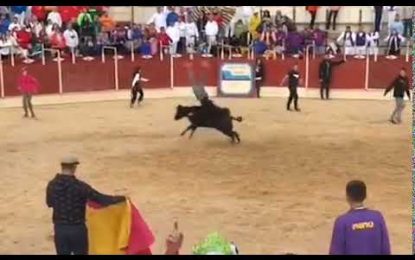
(68, 198)
(325, 74)
(400, 86)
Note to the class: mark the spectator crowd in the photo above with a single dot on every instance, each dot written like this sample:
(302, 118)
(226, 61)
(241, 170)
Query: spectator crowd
(84, 30)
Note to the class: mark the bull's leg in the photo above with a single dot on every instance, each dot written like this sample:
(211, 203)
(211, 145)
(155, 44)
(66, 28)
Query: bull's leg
(237, 136)
(230, 134)
(187, 129)
(192, 132)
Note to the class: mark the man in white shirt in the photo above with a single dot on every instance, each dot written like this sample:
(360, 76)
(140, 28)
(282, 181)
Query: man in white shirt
(373, 42)
(55, 17)
(49, 28)
(192, 34)
(211, 31)
(349, 41)
(71, 38)
(159, 18)
(181, 48)
(15, 24)
(5, 45)
(174, 34)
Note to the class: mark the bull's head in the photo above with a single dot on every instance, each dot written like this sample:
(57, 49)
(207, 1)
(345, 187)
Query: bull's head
(180, 113)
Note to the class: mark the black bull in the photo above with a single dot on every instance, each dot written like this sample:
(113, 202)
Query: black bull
(220, 120)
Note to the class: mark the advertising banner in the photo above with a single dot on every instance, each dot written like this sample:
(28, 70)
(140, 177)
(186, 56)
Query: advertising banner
(236, 80)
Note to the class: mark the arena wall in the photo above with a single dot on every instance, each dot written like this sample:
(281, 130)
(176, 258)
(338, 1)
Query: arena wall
(96, 75)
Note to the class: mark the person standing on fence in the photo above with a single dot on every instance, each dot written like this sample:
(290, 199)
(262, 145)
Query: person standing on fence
(259, 76)
(294, 80)
(378, 16)
(28, 85)
(325, 75)
(400, 86)
(332, 17)
(312, 10)
(136, 87)
(360, 231)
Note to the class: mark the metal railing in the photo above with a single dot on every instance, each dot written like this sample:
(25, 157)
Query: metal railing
(59, 63)
(114, 49)
(307, 64)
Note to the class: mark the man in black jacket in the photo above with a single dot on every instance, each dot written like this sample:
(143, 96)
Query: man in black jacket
(294, 80)
(325, 74)
(68, 197)
(400, 86)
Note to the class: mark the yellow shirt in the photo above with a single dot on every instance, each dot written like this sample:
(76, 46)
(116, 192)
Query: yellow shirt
(109, 229)
(253, 25)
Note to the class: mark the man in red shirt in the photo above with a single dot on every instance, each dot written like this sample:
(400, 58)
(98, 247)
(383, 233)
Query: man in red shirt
(28, 85)
(163, 38)
(24, 39)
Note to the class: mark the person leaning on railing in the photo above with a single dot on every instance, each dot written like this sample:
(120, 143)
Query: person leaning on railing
(211, 30)
(361, 42)
(71, 39)
(135, 36)
(163, 39)
(191, 34)
(24, 40)
(57, 40)
(394, 41)
(348, 38)
(373, 43)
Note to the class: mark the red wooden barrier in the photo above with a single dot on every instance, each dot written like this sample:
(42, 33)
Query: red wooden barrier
(88, 76)
(158, 72)
(384, 71)
(46, 74)
(95, 75)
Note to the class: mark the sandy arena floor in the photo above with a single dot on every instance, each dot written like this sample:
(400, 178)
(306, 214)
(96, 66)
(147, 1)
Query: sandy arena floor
(278, 191)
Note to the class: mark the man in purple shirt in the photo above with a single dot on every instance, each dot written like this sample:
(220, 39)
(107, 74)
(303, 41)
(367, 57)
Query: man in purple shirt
(360, 231)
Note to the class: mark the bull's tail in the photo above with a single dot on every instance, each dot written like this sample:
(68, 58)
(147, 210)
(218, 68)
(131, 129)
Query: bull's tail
(237, 119)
